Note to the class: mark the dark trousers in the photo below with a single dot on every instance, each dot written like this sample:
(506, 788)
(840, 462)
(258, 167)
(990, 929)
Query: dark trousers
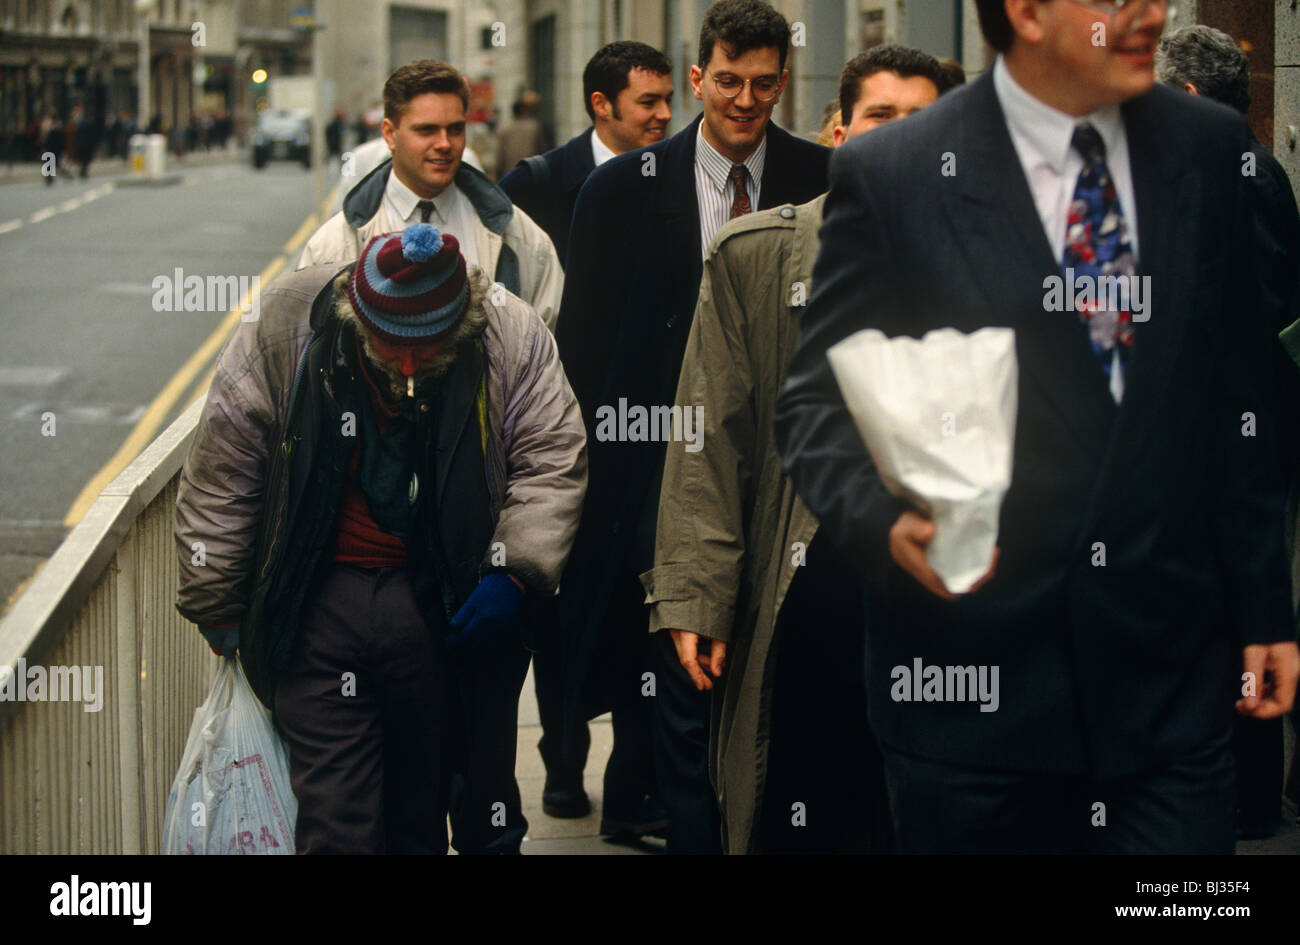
(825, 788)
(386, 736)
(681, 733)
(563, 747)
(1185, 807)
(630, 771)
(1257, 750)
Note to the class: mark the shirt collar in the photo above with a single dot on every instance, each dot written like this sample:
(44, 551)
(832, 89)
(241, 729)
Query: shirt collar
(403, 198)
(717, 168)
(445, 201)
(599, 152)
(1047, 129)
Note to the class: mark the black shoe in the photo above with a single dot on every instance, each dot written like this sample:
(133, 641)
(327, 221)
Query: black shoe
(565, 803)
(650, 819)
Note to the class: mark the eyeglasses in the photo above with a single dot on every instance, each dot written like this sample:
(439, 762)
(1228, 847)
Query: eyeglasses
(765, 87)
(1132, 10)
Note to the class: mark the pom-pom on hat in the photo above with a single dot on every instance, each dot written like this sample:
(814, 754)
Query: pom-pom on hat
(410, 287)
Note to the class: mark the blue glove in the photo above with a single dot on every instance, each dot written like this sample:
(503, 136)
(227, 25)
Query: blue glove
(488, 619)
(223, 640)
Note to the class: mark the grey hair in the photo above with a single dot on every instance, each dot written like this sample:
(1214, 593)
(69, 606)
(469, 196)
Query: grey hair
(1209, 59)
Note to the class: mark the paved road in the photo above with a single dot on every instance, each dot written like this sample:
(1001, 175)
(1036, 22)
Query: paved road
(85, 352)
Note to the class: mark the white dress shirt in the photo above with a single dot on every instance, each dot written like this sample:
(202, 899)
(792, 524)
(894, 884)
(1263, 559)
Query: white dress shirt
(713, 187)
(1041, 135)
(452, 213)
(599, 153)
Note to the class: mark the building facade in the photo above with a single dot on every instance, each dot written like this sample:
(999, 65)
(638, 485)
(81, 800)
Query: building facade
(57, 54)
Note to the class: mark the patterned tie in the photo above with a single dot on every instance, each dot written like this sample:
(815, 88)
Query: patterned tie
(426, 210)
(1097, 245)
(739, 203)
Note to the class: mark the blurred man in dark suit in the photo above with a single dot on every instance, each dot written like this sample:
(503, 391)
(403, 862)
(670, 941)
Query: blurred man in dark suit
(1201, 60)
(1139, 541)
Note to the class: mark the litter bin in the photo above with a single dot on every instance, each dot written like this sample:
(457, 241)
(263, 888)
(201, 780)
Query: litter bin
(155, 156)
(135, 151)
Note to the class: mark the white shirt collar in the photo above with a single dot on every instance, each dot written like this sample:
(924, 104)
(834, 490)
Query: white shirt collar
(1048, 129)
(599, 152)
(402, 198)
(718, 168)
(445, 201)
(405, 200)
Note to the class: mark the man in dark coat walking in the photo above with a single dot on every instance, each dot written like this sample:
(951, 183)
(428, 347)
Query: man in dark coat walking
(640, 229)
(1140, 538)
(628, 90)
(1201, 60)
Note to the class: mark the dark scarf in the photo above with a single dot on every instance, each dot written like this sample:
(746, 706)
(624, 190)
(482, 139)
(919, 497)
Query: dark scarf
(389, 468)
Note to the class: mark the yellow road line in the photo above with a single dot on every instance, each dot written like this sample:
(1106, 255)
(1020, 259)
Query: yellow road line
(300, 235)
(144, 431)
(148, 425)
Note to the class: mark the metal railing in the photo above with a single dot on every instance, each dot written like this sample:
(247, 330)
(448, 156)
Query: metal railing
(79, 781)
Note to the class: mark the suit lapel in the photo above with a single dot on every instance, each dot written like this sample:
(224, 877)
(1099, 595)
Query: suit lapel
(679, 211)
(577, 162)
(1167, 194)
(990, 206)
(780, 178)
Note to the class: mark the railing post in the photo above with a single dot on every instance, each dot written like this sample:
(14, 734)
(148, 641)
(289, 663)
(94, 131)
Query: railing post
(128, 694)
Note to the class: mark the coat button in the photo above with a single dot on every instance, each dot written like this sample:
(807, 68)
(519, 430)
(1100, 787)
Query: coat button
(424, 408)
(787, 213)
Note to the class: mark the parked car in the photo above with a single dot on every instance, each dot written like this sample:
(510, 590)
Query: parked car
(282, 134)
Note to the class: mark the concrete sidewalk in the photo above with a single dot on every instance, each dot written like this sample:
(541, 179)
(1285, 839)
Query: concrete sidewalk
(550, 835)
(30, 172)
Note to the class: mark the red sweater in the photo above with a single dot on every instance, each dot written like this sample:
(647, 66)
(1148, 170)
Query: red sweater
(359, 540)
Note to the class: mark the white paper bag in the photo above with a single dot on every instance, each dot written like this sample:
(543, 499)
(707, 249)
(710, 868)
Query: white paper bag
(938, 416)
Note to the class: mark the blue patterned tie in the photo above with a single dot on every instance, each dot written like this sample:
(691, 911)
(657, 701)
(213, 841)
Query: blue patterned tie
(1097, 245)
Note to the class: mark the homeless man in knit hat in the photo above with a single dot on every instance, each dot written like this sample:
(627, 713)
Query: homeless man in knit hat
(387, 476)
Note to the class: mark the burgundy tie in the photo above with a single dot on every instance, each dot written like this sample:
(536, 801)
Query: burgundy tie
(739, 203)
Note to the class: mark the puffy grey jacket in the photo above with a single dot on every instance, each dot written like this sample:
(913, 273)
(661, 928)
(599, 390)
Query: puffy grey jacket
(536, 447)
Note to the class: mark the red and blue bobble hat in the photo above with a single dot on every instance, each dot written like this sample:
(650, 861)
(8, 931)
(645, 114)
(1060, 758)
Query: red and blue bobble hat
(409, 288)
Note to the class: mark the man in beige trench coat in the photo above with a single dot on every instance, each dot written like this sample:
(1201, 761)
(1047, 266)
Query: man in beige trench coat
(732, 535)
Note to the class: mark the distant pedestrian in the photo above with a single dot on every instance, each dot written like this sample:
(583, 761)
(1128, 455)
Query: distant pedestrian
(83, 136)
(521, 135)
(52, 140)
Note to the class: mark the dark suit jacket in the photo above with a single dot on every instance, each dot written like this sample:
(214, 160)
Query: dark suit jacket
(550, 203)
(630, 289)
(1107, 669)
(1277, 225)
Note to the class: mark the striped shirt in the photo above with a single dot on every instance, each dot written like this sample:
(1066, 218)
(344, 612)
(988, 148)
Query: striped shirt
(713, 187)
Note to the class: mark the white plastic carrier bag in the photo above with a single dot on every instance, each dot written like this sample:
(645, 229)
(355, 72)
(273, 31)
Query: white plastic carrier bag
(232, 792)
(938, 416)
